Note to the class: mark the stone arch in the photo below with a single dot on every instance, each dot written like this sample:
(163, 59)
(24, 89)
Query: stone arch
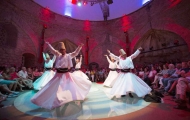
(161, 46)
(8, 35)
(28, 60)
(93, 65)
(97, 54)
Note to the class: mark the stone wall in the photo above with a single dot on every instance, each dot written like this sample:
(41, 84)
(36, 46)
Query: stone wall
(27, 17)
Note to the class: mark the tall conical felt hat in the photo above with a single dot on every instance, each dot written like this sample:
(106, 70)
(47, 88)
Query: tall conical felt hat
(122, 52)
(47, 55)
(61, 45)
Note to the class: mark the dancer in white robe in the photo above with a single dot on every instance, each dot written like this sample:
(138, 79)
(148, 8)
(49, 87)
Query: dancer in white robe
(126, 81)
(110, 80)
(47, 75)
(77, 71)
(64, 87)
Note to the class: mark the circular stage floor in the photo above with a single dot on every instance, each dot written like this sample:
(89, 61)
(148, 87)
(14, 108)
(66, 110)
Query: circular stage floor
(96, 105)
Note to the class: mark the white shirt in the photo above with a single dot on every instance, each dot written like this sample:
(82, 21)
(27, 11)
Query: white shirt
(78, 65)
(64, 61)
(23, 74)
(112, 65)
(126, 63)
(49, 64)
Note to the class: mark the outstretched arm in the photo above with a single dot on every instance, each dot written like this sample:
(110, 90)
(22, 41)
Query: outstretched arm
(113, 56)
(44, 56)
(54, 57)
(138, 51)
(55, 52)
(76, 52)
(81, 58)
(107, 58)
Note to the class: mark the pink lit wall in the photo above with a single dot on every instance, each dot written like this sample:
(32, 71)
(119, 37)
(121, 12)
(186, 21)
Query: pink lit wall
(28, 18)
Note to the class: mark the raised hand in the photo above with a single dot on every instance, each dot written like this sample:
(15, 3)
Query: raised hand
(46, 42)
(81, 44)
(140, 48)
(106, 55)
(108, 51)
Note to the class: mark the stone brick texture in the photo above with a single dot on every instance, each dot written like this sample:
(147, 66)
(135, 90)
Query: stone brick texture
(159, 25)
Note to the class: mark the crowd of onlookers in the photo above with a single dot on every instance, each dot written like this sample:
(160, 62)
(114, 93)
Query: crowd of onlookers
(168, 78)
(14, 80)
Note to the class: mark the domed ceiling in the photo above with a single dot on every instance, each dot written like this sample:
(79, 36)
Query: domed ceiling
(93, 10)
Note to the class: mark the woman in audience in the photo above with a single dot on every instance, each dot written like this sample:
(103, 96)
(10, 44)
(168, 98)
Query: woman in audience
(141, 73)
(36, 74)
(14, 76)
(6, 76)
(159, 76)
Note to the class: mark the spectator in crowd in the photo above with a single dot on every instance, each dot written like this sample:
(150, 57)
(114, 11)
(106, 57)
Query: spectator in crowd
(24, 75)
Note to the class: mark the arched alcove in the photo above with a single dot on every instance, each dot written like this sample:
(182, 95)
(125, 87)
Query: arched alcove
(161, 46)
(8, 35)
(98, 53)
(28, 60)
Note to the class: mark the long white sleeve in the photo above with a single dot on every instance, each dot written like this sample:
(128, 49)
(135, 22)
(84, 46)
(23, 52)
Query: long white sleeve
(114, 56)
(55, 52)
(54, 57)
(108, 59)
(134, 55)
(81, 59)
(44, 56)
(76, 52)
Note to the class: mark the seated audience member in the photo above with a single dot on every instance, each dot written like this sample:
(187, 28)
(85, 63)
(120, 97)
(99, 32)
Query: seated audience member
(30, 73)
(14, 76)
(100, 75)
(159, 76)
(169, 75)
(150, 76)
(177, 73)
(24, 75)
(4, 79)
(5, 89)
(36, 74)
(87, 72)
(141, 73)
(182, 87)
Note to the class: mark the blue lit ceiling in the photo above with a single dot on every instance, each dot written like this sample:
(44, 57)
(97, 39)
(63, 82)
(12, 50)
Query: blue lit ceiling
(92, 12)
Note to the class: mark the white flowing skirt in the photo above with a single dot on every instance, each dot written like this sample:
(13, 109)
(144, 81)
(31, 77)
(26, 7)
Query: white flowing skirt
(110, 80)
(62, 88)
(43, 80)
(129, 82)
(81, 74)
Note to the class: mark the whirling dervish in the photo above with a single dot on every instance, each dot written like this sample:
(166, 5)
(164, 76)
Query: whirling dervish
(78, 71)
(48, 74)
(126, 81)
(64, 87)
(110, 80)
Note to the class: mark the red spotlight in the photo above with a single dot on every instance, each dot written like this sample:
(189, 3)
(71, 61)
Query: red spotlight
(73, 1)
